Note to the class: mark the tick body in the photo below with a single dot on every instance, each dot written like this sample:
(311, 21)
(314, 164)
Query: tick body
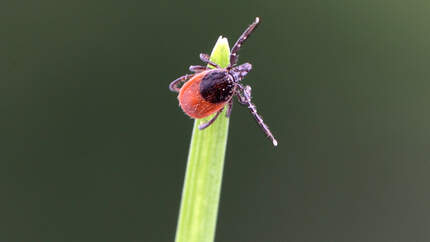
(208, 91)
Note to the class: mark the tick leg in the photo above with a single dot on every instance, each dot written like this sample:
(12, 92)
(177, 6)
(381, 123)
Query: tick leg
(198, 69)
(239, 42)
(206, 59)
(229, 108)
(208, 123)
(247, 99)
(240, 98)
(174, 85)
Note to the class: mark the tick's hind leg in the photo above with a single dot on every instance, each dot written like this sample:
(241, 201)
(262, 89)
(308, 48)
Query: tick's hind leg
(174, 85)
(208, 123)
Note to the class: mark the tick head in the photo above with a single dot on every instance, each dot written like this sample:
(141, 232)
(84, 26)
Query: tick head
(239, 72)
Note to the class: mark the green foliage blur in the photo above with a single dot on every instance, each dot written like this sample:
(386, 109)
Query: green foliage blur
(94, 146)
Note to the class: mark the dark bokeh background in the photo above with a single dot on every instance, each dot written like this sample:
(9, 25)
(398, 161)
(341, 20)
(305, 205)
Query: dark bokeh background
(93, 145)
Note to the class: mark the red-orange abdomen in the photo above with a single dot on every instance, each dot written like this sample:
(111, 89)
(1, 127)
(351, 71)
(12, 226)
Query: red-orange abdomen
(191, 100)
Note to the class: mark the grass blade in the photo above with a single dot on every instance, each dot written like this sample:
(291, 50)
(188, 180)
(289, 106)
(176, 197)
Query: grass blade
(202, 186)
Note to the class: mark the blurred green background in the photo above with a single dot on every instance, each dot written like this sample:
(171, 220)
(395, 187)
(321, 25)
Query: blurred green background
(93, 145)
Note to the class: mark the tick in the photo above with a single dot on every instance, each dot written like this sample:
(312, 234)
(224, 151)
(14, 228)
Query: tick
(209, 91)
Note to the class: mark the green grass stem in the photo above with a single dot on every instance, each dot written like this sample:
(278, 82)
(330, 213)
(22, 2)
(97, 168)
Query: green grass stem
(202, 186)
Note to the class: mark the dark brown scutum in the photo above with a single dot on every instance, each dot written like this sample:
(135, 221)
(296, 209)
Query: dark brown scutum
(216, 86)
